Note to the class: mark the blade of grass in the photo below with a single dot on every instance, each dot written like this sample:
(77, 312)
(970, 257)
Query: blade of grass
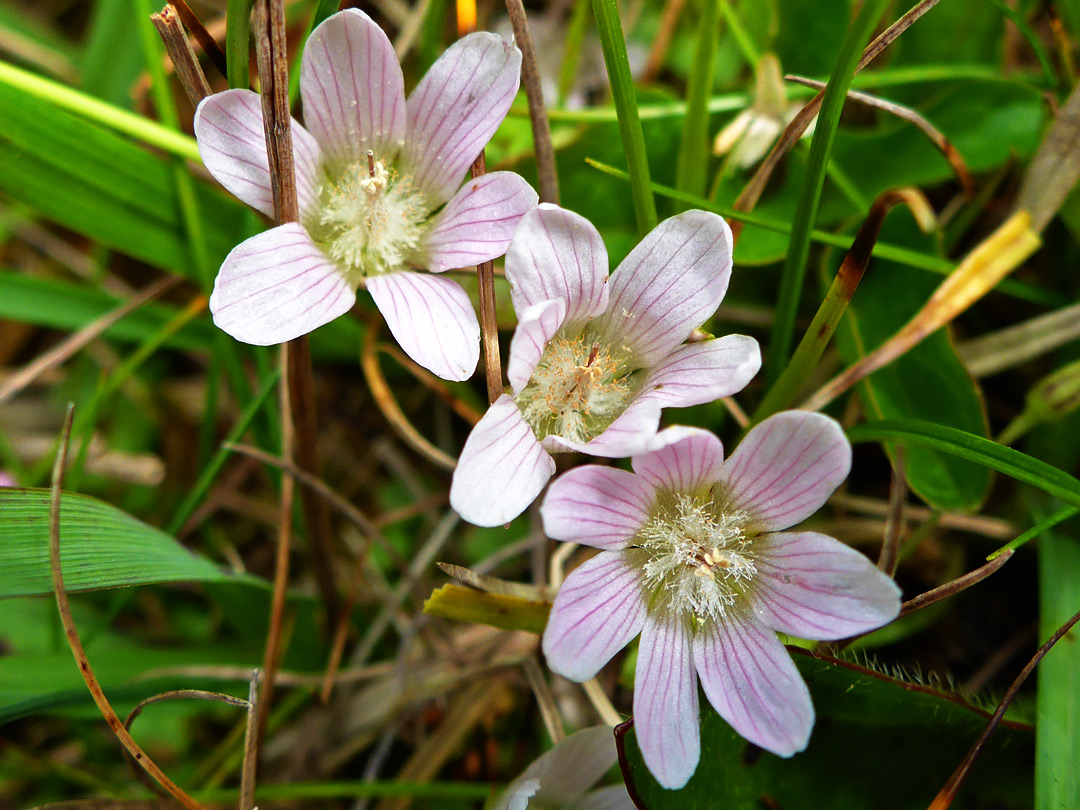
(1042, 526)
(238, 43)
(323, 9)
(613, 44)
(691, 169)
(794, 272)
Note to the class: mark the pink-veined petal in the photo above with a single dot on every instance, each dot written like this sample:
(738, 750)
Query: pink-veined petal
(750, 679)
(478, 223)
(786, 468)
(537, 326)
(353, 90)
(666, 702)
(812, 586)
(277, 286)
(232, 144)
(631, 433)
(432, 320)
(558, 254)
(502, 468)
(696, 373)
(573, 766)
(685, 459)
(596, 506)
(456, 109)
(671, 283)
(597, 611)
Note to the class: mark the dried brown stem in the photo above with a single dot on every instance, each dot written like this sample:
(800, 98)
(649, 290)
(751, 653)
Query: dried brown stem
(58, 354)
(957, 585)
(214, 52)
(894, 519)
(530, 76)
(251, 733)
(183, 58)
(664, 32)
(936, 136)
(753, 190)
(545, 700)
(72, 633)
(952, 787)
(432, 383)
(489, 322)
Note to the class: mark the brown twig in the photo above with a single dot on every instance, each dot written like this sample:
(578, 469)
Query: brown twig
(669, 19)
(546, 172)
(952, 787)
(753, 190)
(251, 732)
(954, 587)
(72, 633)
(489, 321)
(936, 136)
(65, 349)
(183, 58)
(894, 519)
(214, 52)
(432, 383)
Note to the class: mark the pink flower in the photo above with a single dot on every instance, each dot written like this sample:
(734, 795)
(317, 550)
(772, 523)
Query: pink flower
(378, 185)
(561, 777)
(694, 558)
(594, 360)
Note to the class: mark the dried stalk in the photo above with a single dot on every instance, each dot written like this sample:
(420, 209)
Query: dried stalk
(206, 40)
(251, 748)
(183, 57)
(957, 585)
(489, 322)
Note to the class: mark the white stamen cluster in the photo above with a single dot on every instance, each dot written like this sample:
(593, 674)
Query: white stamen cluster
(698, 557)
(371, 219)
(578, 388)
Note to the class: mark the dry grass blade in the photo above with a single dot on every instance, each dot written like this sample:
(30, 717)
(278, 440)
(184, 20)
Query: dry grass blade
(489, 320)
(957, 585)
(490, 584)
(952, 787)
(431, 382)
(894, 519)
(790, 136)
(251, 748)
(384, 399)
(1018, 344)
(654, 63)
(1055, 169)
(952, 155)
(206, 40)
(183, 58)
(62, 351)
(72, 633)
(545, 700)
(979, 272)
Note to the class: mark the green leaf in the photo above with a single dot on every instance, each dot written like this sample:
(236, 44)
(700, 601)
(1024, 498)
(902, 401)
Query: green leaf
(974, 448)
(469, 605)
(100, 547)
(877, 742)
(1057, 708)
(111, 61)
(929, 382)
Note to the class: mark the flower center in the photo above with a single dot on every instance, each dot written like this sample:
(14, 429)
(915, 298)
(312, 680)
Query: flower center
(698, 561)
(578, 388)
(371, 219)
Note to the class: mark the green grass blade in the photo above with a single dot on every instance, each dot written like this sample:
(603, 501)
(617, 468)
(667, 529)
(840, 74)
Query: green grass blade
(794, 273)
(609, 27)
(692, 166)
(238, 43)
(982, 451)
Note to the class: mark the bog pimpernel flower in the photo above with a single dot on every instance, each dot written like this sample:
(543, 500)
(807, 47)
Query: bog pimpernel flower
(593, 361)
(695, 558)
(372, 173)
(561, 778)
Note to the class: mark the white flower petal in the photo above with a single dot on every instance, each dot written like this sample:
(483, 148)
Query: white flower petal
(812, 586)
(353, 90)
(537, 326)
(786, 468)
(671, 283)
(456, 109)
(502, 468)
(696, 373)
(478, 223)
(631, 433)
(597, 611)
(750, 679)
(596, 506)
(432, 320)
(558, 254)
(666, 702)
(685, 459)
(232, 144)
(277, 286)
(573, 766)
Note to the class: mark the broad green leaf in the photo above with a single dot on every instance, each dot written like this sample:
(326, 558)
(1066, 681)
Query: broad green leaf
(100, 547)
(929, 382)
(1057, 710)
(877, 742)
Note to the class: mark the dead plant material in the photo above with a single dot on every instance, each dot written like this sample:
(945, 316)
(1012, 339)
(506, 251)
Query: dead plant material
(183, 58)
(431, 382)
(214, 52)
(489, 321)
(957, 585)
(72, 633)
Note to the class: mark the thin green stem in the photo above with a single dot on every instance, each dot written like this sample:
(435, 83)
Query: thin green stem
(794, 272)
(571, 60)
(691, 169)
(742, 38)
(1042, 526)
(1032, 38)
(609, 27)
(238, 43)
